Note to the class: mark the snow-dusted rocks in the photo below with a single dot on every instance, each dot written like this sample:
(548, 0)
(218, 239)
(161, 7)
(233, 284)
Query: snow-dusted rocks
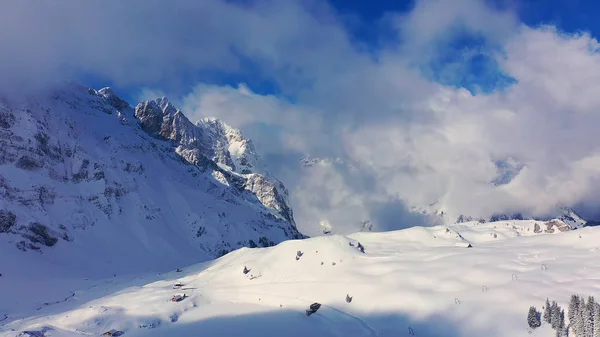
(210, 144)
(83, 171)
(209, 138)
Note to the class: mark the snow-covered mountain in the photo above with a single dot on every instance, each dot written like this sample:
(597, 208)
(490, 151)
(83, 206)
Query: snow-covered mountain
(85, 177)
(564, 215)
(422, 281)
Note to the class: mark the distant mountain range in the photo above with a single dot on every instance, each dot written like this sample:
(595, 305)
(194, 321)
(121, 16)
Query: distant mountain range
(563, 214)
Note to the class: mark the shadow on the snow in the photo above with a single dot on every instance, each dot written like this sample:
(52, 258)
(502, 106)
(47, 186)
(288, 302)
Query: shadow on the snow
(276, 323)
(288, 323)
(85, 291)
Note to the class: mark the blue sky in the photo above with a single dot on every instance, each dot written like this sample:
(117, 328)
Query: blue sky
(570, 15)
(478, 72)
(463, 63)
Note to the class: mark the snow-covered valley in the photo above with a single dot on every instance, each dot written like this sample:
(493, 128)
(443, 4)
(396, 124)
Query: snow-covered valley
(419, 281)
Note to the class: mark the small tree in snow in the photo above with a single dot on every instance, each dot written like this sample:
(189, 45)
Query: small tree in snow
(533, 318)
(561, 330)
(554, 314)
(579, 324)
(588, 316)
(596, 315)
(573, 313)
(547, 317)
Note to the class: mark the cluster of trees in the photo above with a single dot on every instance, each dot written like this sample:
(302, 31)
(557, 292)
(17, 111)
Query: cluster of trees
(584, 317)
(555, 316)
(263, 241)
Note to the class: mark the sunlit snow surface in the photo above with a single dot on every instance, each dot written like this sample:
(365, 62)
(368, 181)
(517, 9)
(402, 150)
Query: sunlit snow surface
(415, 280)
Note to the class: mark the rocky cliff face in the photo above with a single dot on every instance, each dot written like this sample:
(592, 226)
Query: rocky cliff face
(210, 144)
(81, 167)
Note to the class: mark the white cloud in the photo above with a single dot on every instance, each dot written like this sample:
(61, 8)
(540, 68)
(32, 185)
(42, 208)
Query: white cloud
(151, 42)
(442, 147)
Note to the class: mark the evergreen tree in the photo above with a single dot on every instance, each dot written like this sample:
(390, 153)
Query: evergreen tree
(588, 316)
(581, 322)
(573, 308)
(533, 318)
(573, 312)
(561, 330)
(547, 317)
(596, 332)
(554, 314)
(578, 325)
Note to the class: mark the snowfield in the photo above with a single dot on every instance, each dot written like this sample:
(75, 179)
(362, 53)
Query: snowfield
(414, 281)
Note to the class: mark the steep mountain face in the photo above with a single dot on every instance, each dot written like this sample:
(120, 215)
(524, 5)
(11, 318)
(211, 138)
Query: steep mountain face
(83, 173)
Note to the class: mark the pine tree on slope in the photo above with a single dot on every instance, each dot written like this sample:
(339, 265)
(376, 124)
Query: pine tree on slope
(533, 318)
(588, 317)
(573, 311)
(581, 321)
(596, 320)
(554, 314)
(576, 317)
(561, 330)
(547, 317)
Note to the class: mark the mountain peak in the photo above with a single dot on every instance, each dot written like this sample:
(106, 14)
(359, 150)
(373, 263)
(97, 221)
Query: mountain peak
(112, 98)
(167, 107)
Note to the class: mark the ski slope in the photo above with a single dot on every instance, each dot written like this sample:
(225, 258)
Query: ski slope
(414, 281)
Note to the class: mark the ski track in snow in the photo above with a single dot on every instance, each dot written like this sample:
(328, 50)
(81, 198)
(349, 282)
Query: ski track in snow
(359, 320)
(57, 302)
(372, 331)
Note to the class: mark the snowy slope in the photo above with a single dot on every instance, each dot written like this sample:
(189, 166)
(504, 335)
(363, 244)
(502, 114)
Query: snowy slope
(87, 180)
(415, 280)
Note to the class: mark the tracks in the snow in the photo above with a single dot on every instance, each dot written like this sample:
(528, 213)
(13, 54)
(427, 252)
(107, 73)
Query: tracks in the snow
(56, 302)
(360, 321)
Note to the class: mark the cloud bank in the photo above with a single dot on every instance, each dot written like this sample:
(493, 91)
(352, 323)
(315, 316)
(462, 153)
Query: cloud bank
(391, 140)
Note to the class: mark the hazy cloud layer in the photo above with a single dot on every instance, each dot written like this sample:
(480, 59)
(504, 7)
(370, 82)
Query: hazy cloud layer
(401, 140)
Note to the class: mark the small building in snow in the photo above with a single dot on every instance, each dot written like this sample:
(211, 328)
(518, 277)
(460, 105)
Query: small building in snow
(463, 245)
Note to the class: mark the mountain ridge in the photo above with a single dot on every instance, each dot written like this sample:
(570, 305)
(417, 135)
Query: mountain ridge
(82, 166)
